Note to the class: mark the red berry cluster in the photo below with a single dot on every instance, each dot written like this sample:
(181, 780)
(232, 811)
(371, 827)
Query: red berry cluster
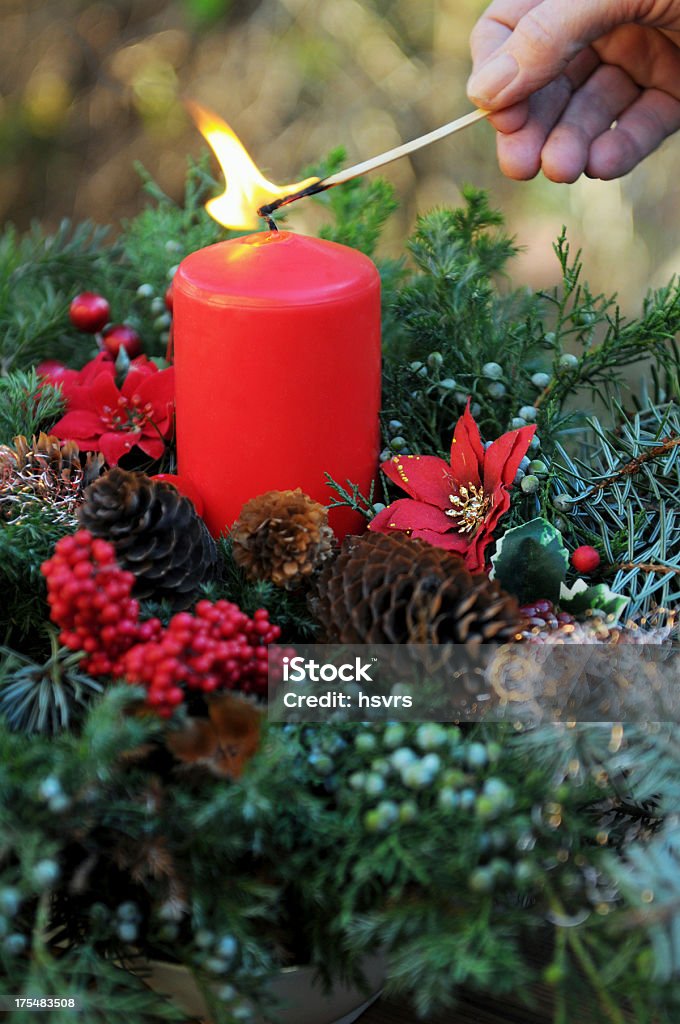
(90, 598)
(218, 647)
(90, 313)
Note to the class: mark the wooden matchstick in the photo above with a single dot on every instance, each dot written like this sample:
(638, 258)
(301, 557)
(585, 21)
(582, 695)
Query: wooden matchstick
(377, 161)
(405, 149)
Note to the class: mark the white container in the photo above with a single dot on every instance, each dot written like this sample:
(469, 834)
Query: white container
(297, 990)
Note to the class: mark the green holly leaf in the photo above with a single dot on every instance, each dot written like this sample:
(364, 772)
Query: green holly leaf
(582, 598)
(531, 561)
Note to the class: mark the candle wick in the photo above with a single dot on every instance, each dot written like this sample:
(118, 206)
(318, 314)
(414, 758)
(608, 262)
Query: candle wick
(271, 223)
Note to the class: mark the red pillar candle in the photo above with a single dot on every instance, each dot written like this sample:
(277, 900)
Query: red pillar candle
(277, 368)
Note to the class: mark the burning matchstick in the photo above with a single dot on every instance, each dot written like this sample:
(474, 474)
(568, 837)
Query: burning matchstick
(349, 173)
(248, 194)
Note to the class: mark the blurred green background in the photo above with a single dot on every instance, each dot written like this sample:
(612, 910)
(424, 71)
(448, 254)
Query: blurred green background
(86, 89)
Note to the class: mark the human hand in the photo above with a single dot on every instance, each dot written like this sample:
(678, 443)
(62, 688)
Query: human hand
(558, 74)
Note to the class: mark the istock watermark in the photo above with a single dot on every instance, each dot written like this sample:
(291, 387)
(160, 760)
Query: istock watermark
(297, 670)
(524, 683)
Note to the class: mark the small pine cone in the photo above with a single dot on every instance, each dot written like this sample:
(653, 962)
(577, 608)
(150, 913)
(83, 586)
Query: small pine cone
(44, 452)
(282, 536)
(390, 589)
(45, 470)
(156, 532)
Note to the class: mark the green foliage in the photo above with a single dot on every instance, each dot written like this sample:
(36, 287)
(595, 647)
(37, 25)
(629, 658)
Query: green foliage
(620, 494)
(638, 933)
(50, 787)
(102, 857)
(606, 343)
(453, 322)
(39, 275)
(641, 764)
(657, 861)
(286, 608)
(47, 697)
(342, 852)
(360, 208)
(332, 843)
(105, 992)
(26, 405)
(348, 495)
(156, 241)
(24, 545)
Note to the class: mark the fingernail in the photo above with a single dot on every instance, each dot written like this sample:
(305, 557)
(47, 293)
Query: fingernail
(499, 72)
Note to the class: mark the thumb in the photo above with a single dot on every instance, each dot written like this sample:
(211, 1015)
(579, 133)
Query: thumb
(542, 43)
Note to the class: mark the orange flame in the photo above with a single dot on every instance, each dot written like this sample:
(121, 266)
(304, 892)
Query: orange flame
(246, 189)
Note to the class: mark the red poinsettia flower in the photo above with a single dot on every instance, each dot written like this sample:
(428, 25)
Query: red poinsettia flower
(456, 506)
(57, 373)
(103, 418)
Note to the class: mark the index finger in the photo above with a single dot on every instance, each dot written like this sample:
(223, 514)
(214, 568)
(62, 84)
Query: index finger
(492, 30)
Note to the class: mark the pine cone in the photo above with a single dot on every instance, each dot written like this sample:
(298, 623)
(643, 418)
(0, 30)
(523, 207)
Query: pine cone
(389, 589)
(47, 471)
(156, 532)
(282, 536)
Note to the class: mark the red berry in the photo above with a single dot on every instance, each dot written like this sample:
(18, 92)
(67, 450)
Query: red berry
(51, 368)
(585, 559)
(121, 336)
(89, 312)
(168, 299)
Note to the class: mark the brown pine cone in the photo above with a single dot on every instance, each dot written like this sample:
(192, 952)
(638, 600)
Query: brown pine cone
(46, 452)
(47, 471)
(282, 536)
(156, 532)
(390, 589)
